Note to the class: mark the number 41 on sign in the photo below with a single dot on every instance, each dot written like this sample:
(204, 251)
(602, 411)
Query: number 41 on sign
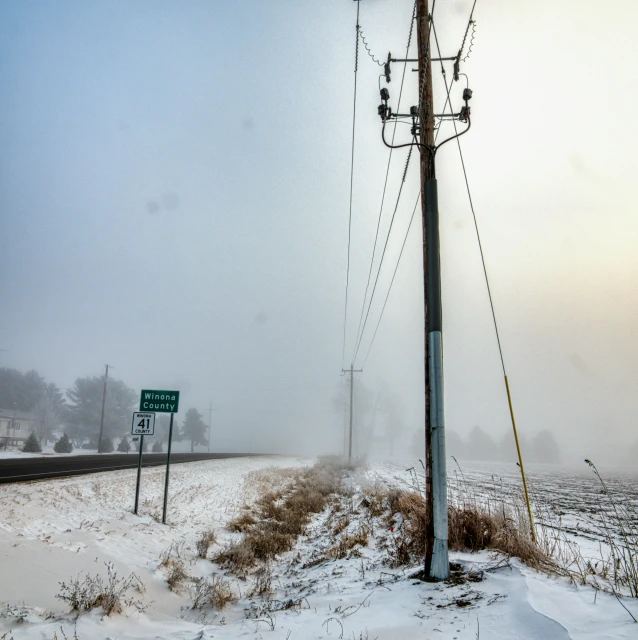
(143, 424)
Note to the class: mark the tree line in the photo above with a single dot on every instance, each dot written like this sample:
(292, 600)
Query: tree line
(76, 414)
(481, 446)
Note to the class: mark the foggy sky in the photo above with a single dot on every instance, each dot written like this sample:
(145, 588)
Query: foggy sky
(174, 191)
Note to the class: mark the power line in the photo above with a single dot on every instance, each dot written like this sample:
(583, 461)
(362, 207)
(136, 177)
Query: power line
(374, 288)
(447, 91)
(469, 194)
(498, 339)
(387, 173)
(416, 204)
(354, 120)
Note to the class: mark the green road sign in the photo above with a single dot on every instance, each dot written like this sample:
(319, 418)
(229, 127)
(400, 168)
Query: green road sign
(159, 401)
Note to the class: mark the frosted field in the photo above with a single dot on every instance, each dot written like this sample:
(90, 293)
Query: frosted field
(55, 530)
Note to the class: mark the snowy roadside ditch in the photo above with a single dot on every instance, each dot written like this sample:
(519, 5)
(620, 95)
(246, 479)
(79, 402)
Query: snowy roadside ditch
(278, 548)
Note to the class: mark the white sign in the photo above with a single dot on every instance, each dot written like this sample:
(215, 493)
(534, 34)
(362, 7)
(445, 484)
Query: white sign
(143, 424)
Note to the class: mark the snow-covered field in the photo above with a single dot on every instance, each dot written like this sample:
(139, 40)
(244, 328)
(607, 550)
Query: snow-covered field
(52, 531)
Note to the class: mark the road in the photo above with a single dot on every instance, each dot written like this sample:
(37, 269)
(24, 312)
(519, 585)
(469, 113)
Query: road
(26, 469)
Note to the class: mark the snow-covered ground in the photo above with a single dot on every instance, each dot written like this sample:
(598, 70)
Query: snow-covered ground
(54, 530)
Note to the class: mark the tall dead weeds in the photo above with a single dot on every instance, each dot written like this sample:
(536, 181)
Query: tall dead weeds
(470, 528)
(280, 516)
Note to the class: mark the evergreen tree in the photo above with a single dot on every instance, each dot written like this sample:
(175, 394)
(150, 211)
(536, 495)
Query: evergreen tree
(124, 445)
(84, 412)
(22, 391)
(32, 445)
(481, 446)
(136, 444)
(545, 448)
(107, 445)
(454, 445)
(63, 444)
(194, 428)
(507, 451)
(157, 446)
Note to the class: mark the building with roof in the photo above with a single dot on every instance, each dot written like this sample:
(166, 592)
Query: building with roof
(15, 427)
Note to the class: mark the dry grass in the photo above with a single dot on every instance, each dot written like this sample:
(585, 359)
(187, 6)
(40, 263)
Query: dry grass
(346, 546)
(470, 528)
(207, 540)
(262, 585)
(473, 529)
(280, 516)
(373, 502)
(214, 592)
(237, 557)
(172, 564)
(241, 523)
(94, 592)
(176, 576)
(342, 523)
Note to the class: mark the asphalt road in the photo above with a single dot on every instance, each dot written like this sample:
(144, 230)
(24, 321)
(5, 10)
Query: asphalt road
(26, 469)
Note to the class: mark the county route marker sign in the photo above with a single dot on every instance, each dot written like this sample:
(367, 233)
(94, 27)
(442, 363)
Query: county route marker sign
(153, 400)
(143, 424)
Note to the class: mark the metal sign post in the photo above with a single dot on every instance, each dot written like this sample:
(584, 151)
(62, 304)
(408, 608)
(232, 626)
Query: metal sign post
(162, 401)
(168, 468)
(139, 475)
(143, 424)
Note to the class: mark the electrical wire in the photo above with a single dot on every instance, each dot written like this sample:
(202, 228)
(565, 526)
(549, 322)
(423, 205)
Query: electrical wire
(478, 235)
(470, 23)
(414, 143)
(387, 173)
(354, 120)
(447, 100)
(365, 44)
(385, 302)
(376, 281)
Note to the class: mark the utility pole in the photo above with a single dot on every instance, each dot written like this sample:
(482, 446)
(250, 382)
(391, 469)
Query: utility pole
(351, 371)
(437, 564)
(99, 442)
(210, 423)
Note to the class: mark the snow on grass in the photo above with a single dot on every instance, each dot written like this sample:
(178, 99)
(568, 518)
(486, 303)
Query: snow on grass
(54, 530)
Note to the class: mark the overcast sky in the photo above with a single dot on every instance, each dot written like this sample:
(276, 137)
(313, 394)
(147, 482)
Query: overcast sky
(174, 188)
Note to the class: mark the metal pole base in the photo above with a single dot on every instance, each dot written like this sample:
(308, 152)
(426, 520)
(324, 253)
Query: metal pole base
(440, 567)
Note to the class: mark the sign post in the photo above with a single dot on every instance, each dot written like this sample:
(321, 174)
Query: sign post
(168, 469)
(139, 475)
(162, 401)
(143, 424)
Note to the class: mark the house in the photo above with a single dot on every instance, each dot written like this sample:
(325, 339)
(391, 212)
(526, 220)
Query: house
(15, 427)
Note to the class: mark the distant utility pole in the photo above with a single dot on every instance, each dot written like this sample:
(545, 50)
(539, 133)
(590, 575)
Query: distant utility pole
(436, 552)
(351, 371)
(210, 423)
(99, 442)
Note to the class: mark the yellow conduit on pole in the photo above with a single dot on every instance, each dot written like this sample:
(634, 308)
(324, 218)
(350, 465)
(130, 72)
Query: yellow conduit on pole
(520, 462)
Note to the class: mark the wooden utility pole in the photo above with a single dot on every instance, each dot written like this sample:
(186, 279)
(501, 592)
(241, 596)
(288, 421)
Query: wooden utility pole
(351, 371)
(99, 441)
(436, 551)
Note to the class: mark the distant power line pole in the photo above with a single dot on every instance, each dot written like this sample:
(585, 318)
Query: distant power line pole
(99, 442)
(210, 423)
(351, 371)
(436, 552)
